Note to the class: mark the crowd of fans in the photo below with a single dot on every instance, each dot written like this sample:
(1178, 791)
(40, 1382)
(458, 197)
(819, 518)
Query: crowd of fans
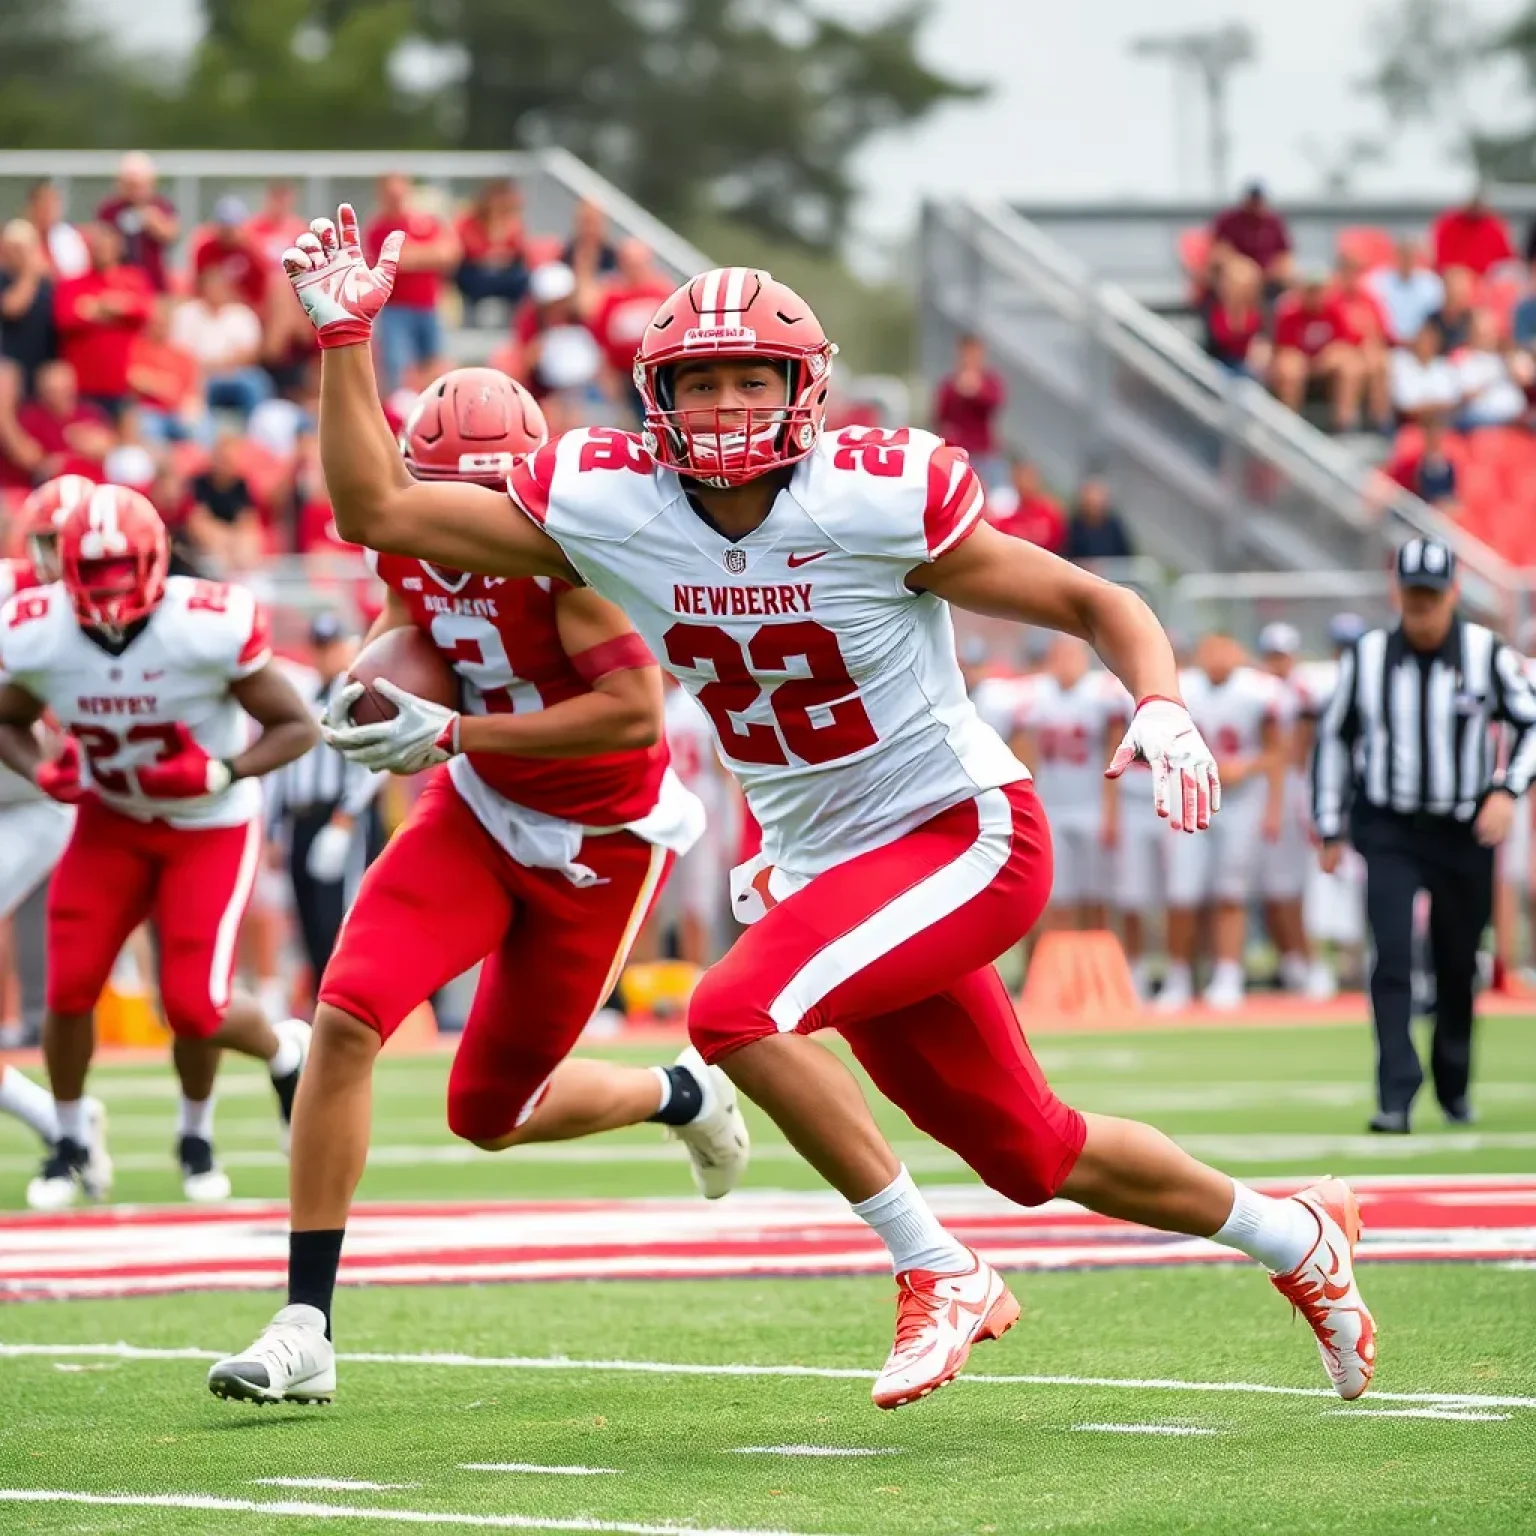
(177, 361)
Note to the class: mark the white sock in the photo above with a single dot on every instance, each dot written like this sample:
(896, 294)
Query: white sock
(660, 1073)
(1176, 976)
(30, 1103)
(71, 1118)
(1278, 1233)
(272, 994)
(196, 1118)
(288, 1055)
(1229, 973)
(906, 1226)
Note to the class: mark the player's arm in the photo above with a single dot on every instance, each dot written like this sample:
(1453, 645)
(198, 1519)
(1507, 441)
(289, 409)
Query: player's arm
(287, 729)
(20, 750)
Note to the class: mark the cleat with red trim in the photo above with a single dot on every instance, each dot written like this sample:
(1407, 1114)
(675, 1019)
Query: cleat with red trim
(1322, 1288)
(938, 1319)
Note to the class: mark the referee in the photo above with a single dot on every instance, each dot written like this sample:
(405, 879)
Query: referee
(321, 806)
(1407, 764)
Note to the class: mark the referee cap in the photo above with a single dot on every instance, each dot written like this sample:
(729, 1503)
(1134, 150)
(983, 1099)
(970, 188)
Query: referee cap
(1426, 563)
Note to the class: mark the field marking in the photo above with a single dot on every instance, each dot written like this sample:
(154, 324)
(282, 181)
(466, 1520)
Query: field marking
(122, 1351)
(814, 1450)
(296, 1510)
(529, 1466)
(331, 1484)
(1145, 1429)
(1465, 1415)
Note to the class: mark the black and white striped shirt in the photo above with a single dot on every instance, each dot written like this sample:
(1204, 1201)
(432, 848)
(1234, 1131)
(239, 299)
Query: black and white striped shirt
(1414, 733)
(322, 779)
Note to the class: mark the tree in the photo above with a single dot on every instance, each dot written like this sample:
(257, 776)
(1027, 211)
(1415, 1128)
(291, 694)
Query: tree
(694, 106)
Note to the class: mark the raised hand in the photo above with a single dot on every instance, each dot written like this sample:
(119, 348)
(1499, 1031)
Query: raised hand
(340, 292)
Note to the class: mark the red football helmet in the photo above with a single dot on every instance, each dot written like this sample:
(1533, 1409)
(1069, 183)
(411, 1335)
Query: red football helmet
(734, 312)
(114, 553)
(469, 424)
(42, 515)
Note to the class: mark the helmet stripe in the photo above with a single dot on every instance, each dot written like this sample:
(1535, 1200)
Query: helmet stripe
(709, 300)
(735, 285)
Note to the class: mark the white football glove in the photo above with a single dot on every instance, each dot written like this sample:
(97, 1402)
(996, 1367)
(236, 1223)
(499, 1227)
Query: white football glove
(340, 292)
(1185, 785)
(326, 860)
(420, 735)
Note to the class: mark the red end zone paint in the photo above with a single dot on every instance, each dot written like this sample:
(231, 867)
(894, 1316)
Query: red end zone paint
(148, 1252)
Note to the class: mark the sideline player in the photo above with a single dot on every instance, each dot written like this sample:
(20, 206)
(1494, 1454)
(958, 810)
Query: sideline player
(1238, 709)
(153, 678)
(539, 847)
(798, 585)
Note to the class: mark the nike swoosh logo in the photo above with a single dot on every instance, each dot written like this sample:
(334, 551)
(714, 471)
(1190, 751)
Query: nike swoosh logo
(149, 677)
(794, 562)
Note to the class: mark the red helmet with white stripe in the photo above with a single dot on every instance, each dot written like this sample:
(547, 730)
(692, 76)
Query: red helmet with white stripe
(114, 553)
(42, 515)
(745, 315)
(469, 424)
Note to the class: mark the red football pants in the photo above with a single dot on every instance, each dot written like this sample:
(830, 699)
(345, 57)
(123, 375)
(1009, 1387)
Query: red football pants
(443, 895)
(194, 883)
(894, 950)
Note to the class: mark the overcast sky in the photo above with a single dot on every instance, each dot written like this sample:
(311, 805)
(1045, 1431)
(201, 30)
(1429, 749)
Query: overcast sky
(1073, 115)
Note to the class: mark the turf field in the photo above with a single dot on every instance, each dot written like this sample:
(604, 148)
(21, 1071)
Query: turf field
(1140, 1400)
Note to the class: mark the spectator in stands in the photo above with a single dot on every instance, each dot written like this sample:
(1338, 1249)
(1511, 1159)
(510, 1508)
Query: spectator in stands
(589, 253)
(1253, 229)
(1523, 320)
(1472, 236)
(1427, 470)
(966, 406)
(624, 311)
(409, 333)
(491, 237)
(64, 243)
(167, 383)
(145, 220)
(1493, 377)
(1233, 312)
(73, 436)
(1423, 381)
(1366, 321)
(1023, 510)
(98, 316)
(224, 336)
(27, 334)
(19, 455)
(226, 243)
(173, 501)
(1454, 317)
(557, 353)
(1315, 351)
(275, 225)
(223, 523)
(1095, 530)
(1409, 292)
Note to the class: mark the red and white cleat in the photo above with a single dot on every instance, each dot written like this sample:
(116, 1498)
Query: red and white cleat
(1322, 1288)
(938, 1318)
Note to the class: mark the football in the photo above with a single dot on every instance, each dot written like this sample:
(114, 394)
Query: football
(410, 661)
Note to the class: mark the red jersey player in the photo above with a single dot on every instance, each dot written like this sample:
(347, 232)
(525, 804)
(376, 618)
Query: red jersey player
(797, 585)
(153, 678)
(538, 847)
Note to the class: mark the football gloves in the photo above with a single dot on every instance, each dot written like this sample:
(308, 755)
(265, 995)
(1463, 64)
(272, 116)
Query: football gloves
(419, 736)
(1186, 787)
(340, 292)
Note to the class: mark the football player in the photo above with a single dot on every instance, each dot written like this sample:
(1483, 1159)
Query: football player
(798, 585)
(538, 847)
(153, 678)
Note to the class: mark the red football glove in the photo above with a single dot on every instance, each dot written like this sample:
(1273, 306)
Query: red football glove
(59, 777)
(187, 775)
(339, 291)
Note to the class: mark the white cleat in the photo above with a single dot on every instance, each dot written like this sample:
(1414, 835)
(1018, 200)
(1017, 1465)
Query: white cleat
(1225, 995)
(287, 1086)
(717, 1142)
(938, 1319)
(1322, 986)
(203, 1182)
(1174, 996)
(1322, 1288)
(291, 1362)
(73, 1174)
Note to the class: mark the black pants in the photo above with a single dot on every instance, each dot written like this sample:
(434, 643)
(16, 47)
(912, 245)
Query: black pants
(320, 904)
(1402, 857)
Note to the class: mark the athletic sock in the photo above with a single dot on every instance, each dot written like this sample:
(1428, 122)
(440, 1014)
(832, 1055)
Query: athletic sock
(1278, 1233)
(71, 1119)
(901, 1218)
(313, 1259)
(288, 1055)
(1177, 975)
(682, 1096)
(196, 1118)
(29, 1102)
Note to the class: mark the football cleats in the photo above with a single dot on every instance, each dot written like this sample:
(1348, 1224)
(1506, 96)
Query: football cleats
(745, 315)
(42, 515)
(113, 557)
(469, 424)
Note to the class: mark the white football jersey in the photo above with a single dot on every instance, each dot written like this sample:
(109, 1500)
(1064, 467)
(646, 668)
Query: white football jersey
(1002, 701)
(1231, 715)
(15, 576)
(832, 687)
(123, 709)
(1313, 683)
(1067, 726)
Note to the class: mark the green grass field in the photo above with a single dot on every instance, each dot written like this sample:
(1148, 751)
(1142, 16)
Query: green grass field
(1144, 1410)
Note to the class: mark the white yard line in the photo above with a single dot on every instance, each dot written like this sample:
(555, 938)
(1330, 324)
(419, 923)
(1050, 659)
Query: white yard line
(529, 1466)
(1144, 1429)
(1466, 1415)
(331, 1484)
(814, 1450)
(814, 1372)
(299, 1511)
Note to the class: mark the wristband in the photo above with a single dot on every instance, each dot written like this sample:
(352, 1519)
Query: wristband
(345, 333)
(1159, 698)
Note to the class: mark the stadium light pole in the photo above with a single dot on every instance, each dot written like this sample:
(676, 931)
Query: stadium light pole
(1211, 56)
